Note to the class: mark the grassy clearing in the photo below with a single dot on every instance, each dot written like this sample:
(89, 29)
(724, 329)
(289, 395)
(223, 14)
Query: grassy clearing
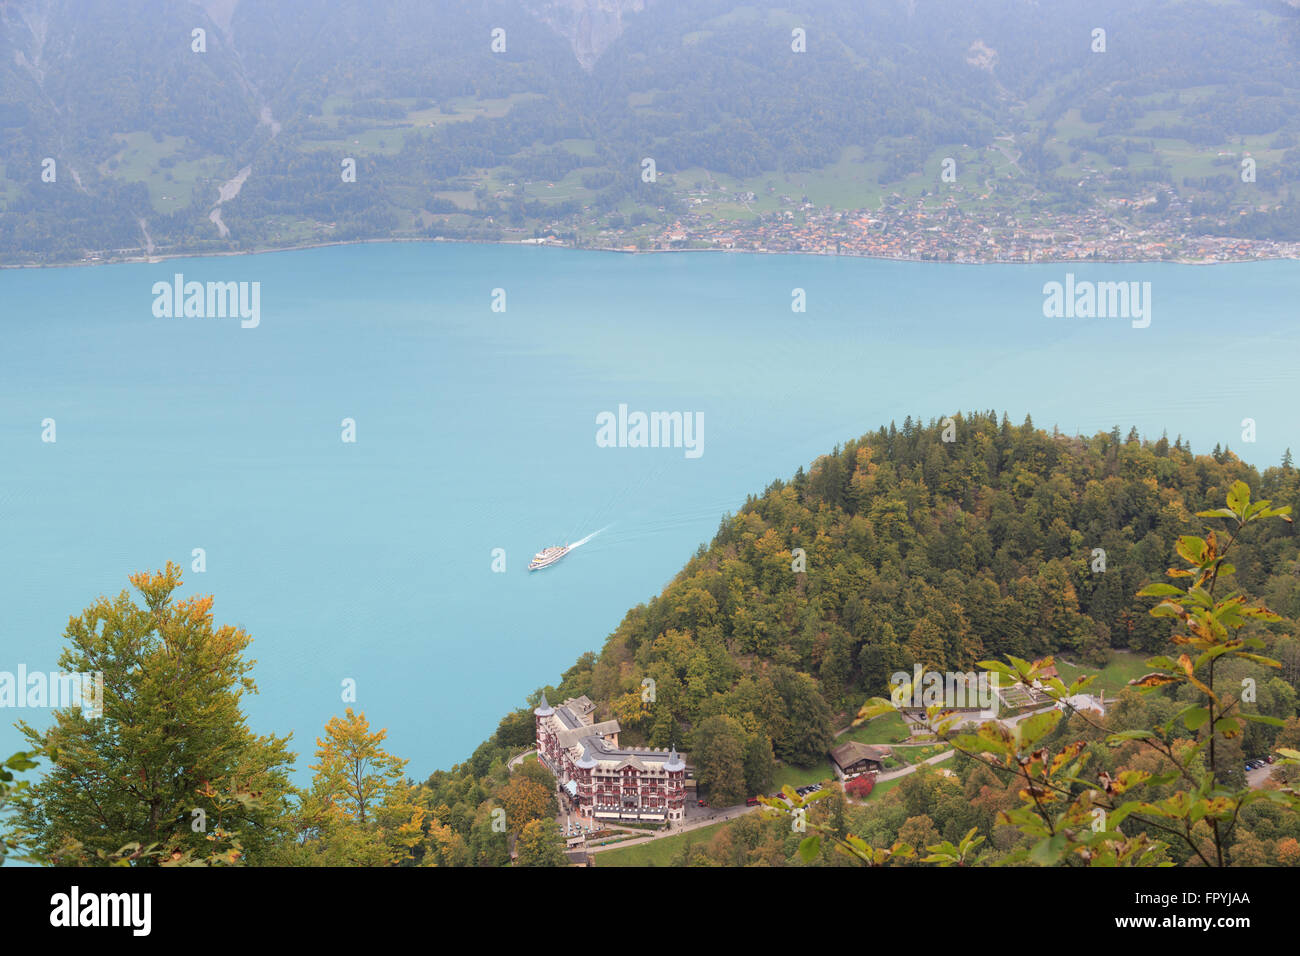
(613, 839)
(887, 729)
(661, 852)
(171, 181)
(879, 790)
(388, 135)
(1112, 678)
(463, 198)
(657, 852)
(801, 776)
(907, 756)
(579, 147)
(570, 187)
(468, 108)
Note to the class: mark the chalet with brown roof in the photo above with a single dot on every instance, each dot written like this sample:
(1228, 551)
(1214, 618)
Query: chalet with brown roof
(853, 758)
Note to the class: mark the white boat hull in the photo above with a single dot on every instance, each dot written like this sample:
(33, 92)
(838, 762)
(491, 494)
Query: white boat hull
(544, 560)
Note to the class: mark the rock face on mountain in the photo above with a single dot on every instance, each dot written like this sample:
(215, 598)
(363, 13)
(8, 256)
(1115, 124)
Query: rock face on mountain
(590, 26)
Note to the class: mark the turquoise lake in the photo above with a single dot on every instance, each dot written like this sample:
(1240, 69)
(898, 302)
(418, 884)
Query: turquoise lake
(476, 430)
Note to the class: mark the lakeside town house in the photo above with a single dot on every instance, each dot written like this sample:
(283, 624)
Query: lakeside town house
(603, 780)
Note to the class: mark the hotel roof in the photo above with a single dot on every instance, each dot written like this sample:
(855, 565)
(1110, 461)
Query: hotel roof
(595, 751)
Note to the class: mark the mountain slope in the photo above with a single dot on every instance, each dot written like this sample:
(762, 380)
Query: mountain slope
(548, 136)
(923, 551)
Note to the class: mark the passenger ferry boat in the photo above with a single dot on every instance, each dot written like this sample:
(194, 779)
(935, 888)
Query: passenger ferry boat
(546, 557)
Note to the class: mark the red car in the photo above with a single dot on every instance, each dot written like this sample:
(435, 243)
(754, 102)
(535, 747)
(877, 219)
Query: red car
(752, 802)
(703, 803)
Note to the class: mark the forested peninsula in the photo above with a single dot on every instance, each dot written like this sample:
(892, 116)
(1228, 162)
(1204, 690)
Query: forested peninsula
(948, 545)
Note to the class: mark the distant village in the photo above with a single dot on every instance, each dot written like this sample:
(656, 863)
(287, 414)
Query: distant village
(916, 229)
(904, 228)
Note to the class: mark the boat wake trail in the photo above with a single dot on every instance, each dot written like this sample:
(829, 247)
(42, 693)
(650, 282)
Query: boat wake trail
(578, 544)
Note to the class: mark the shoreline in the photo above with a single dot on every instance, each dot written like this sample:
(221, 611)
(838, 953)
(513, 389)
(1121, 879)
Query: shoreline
(299, 247)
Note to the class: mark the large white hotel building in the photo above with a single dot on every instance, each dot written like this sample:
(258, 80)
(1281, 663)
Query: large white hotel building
(603, 780)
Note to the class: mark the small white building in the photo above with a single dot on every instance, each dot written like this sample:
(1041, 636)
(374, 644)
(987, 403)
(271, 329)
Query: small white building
(1086, 703)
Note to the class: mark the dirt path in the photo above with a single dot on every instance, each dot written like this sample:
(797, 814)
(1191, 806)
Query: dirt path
(516, 761)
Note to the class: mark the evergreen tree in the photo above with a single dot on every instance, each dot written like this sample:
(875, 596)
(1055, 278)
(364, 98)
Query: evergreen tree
(718, 754)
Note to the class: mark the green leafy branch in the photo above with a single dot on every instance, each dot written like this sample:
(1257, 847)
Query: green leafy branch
(1069, 815)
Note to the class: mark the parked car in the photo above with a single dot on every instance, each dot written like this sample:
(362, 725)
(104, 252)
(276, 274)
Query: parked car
(702, 802)
(752, 802)
(1270, 758)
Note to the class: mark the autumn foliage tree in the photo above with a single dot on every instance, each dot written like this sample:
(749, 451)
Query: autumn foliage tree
(170, 766)
(1132, 817)
(539, 845)
(525, 799)
(360, 810)
(860, 787)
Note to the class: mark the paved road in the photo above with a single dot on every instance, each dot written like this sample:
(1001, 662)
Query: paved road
(730, 813)
(895, 774)
(516, 761)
